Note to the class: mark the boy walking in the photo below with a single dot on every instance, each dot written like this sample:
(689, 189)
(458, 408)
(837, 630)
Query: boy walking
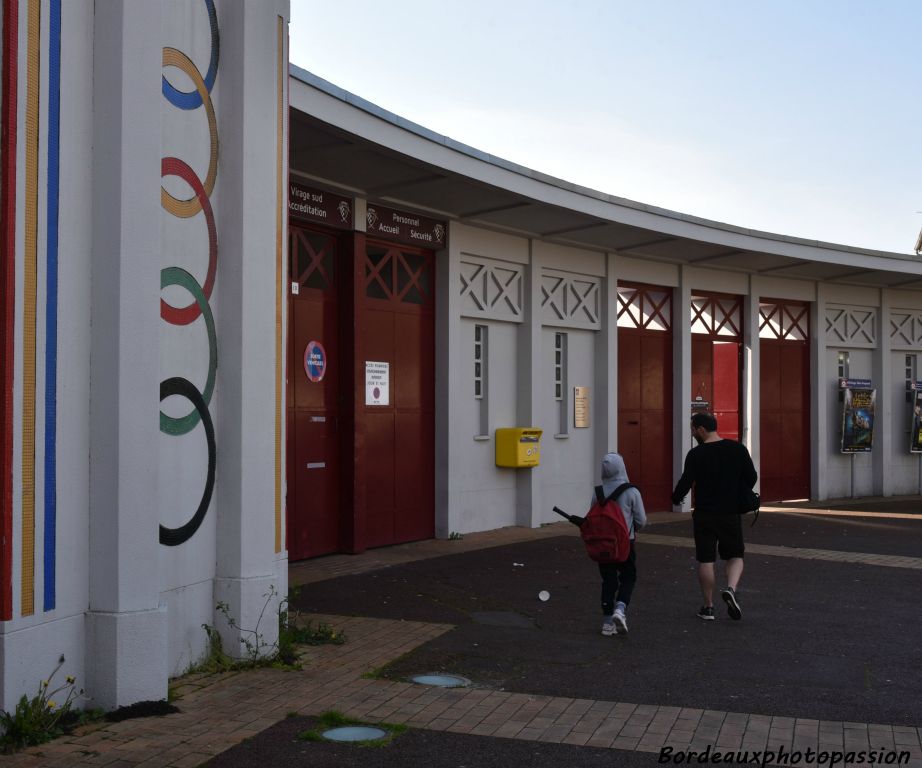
(618, 579)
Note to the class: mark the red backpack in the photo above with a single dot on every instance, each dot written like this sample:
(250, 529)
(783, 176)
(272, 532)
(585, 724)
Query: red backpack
(604, 531)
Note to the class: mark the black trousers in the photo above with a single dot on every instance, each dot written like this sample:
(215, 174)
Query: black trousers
(618, 580)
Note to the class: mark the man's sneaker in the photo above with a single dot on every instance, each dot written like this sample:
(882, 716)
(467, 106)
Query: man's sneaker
(706, 613)
(733, 607)
(620, 622)
(608, 626)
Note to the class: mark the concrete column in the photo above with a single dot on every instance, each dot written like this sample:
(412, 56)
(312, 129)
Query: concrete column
(448, 387)
(251, 559)
(822, 390)
(681, 375)
(884, 438)
(752, 372)
(126, 644)
(605, 385)
(528, 358)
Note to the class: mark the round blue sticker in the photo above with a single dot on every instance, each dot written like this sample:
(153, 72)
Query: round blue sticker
(315, 361)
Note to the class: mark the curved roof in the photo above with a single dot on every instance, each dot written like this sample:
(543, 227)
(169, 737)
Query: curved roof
(340, 140)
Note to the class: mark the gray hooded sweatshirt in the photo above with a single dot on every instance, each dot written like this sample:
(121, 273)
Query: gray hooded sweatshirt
(613, 475)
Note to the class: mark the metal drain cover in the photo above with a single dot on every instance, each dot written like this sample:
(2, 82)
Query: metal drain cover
(354, 733)
(443, 681)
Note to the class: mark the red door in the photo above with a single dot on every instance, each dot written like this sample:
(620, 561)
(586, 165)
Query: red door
(645, 390)
(716, 375)
(716, 381)
(398, 331)
(784, 424)
(727, 381)
(313, 395)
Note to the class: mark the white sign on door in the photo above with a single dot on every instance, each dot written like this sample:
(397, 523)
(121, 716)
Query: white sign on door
(377, 383)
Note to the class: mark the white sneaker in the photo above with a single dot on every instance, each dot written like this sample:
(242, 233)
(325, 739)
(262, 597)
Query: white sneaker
(608, 626)
(620, 621)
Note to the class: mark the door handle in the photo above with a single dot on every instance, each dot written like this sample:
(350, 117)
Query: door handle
(633, 422)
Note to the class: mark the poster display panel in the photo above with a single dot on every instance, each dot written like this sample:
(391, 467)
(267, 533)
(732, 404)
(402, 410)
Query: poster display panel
(915, 431)
(858, 410)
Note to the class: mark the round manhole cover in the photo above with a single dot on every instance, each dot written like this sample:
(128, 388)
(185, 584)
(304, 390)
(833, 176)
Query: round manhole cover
(443, 681)
(354, 733)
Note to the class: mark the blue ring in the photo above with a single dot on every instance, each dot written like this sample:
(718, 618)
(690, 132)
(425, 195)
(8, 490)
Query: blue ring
(192, 99)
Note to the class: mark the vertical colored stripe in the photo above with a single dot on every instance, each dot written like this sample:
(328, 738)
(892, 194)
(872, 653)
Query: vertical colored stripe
(280, 182)
(8, 297)
(29, 310)
(51, 305)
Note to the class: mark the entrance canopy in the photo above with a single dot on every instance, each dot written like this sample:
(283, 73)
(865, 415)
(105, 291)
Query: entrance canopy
(341, 141)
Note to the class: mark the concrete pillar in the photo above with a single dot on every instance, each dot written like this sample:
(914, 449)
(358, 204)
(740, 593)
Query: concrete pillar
(252, 116)
(126, 648)
(752, 372)
(884, 437)
(528, 380)
(448, 388)
(605, 385)
(822, 390)
(681, 375)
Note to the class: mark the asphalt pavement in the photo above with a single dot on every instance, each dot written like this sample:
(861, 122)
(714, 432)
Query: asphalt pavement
(820, 640)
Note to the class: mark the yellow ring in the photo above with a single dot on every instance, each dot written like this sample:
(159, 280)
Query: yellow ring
(184, 209)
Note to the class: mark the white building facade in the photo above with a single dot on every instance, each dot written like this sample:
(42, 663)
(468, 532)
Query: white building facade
(604, 323)
(334, 311)
(142, 243)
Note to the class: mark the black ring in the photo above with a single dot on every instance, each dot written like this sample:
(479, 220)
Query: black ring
(177, 385)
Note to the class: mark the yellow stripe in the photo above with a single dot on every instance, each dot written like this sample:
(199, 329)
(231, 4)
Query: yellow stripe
(280, 178)
(29, 311)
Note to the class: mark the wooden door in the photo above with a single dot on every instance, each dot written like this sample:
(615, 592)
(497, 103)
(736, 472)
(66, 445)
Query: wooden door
(314, 393)
(645, 390)
(784, 424)
(397, 458)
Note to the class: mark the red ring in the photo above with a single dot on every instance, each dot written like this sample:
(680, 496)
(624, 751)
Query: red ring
(173, 166)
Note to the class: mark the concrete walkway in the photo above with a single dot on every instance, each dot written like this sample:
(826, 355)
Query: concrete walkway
(220, 711)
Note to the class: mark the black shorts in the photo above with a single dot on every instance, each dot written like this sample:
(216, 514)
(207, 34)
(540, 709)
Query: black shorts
(718, 534)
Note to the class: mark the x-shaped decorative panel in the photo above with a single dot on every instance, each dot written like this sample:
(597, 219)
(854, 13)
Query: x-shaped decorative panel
(851, 327)
(717, 316)
(906, 329)
(641, 307)
(784, 320)
(570, 300)
(491, 289)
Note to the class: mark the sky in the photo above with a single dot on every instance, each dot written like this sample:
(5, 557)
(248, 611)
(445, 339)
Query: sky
(797, 117)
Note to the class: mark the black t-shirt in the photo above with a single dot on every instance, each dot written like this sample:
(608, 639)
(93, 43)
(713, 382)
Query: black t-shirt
(718, 470)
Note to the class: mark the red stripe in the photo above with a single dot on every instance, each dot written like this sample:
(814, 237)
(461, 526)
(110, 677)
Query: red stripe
(7, 295)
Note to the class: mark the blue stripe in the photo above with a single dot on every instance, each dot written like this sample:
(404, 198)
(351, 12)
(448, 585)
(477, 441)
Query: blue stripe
(51, 304)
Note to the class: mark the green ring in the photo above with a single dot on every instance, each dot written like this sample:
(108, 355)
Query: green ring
(179, 276)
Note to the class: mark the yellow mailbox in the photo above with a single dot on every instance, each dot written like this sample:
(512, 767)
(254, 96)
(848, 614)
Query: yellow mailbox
(518, 447)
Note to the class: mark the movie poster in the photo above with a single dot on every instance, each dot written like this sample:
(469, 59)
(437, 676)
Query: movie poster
(915, 434)
(858, 419)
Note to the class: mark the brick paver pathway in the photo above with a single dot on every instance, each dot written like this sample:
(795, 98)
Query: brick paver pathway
(219, 711)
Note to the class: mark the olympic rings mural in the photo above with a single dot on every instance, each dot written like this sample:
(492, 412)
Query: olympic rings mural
(199, 307)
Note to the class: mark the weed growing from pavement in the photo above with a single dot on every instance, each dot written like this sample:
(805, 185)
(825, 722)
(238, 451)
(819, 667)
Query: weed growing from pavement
(41, 718)
(293, 630)
(334, 719)
(257, 651)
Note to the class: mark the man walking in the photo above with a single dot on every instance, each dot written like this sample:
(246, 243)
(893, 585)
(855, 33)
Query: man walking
(718, 469)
